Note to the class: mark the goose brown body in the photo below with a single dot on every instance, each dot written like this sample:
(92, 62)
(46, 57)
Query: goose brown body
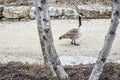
(74, 33)
(71, 34)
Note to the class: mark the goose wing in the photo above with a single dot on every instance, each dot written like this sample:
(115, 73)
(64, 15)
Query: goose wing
(72, 32)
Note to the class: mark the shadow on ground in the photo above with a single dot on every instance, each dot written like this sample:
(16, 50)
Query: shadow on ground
(20, 71)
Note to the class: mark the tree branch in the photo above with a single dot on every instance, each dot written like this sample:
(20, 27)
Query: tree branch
(54, 69)
(109, 38)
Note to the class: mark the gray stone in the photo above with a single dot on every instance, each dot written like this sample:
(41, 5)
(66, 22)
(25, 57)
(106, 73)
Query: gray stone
(19, 2)
(69, 11)
(16, 12)
(32, 13)
(53, 11)
(62, 12)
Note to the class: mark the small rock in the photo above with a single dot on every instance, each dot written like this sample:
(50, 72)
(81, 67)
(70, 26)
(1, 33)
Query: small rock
(52, 11)
(32, 13)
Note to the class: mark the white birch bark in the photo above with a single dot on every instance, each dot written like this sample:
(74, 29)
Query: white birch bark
(109, 38)
(54, 69)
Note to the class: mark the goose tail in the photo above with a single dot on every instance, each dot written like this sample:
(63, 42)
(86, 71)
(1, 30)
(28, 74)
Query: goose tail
(62, 37)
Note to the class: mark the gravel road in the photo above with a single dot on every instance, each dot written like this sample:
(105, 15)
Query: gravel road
(19, 41)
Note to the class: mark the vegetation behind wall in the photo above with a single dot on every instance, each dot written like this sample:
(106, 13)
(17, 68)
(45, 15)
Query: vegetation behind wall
(31, 2)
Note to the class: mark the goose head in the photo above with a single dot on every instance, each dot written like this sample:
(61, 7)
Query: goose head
(81, 14)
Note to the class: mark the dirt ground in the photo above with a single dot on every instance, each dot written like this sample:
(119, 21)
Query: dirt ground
(20, 71)
(19, 41)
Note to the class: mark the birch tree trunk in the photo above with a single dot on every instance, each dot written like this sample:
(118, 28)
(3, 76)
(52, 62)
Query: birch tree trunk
(109, 38)
(54, 69)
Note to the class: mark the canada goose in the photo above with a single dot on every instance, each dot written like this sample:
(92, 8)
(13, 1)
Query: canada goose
(74, 33)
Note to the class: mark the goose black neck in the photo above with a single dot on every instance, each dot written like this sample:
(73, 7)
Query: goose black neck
(80, 24)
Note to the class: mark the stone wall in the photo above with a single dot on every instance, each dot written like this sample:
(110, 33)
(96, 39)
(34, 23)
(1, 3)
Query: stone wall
(16, 2)
(28, 12)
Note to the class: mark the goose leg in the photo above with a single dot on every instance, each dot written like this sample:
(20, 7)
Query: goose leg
(75, 43)
(72, 42)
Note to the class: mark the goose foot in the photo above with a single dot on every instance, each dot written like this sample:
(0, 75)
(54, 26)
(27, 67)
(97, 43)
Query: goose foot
(72, 43)
(76, 44)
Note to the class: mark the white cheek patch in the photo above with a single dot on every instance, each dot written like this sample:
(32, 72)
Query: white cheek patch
(80, 15)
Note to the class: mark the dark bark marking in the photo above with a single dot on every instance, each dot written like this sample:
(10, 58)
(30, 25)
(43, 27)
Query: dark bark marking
(56, 1)
(103, 59)
(46, 30)
(116, 0)
(43, 1)
(45, 20)
(116, 13)
(55, 68)
(44, 38)
(112, 20)
(40, 8)
(112, 32)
